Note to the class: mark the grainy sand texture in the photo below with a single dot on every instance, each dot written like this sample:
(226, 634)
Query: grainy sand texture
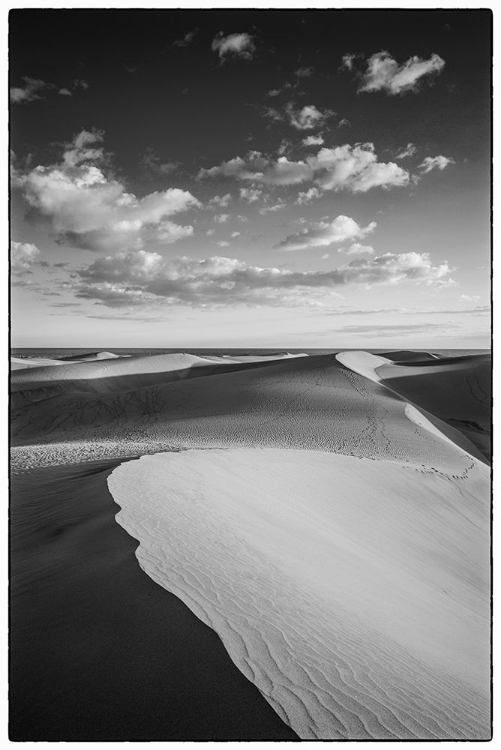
(323, 523)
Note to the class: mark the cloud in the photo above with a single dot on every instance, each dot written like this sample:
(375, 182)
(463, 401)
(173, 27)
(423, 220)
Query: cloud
(236, 45)
(251, 195)
(235, 234)
(79, 83)
(258, 168)
(304, 72)
(308, 117)
(65, 92)
(221, 201)
(388, 330)
(355, 168)
(409, 150)
(29, 93)
(357, 249)
(385, 74)
(308, 196)
(88, 208)
(271, 209)
(347, 61)
(186, 39)
(223, 243)
(150, 162)
(325, 233)
(221, 218)
(22, 255)
(434, 162)
(344, 122)
(138, 277)
(313, 140)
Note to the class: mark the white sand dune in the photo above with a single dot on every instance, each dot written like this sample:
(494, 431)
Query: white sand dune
(353, 593)
(18, 363)
(324, 515)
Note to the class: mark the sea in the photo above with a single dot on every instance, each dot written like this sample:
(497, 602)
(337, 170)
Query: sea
(58, 353)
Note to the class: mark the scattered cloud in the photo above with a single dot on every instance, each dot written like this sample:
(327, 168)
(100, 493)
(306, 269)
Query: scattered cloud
(257, 168)
(325, 233)
(223, 243)
(276, 92)
(355, 168)
(79, 83)
(325, 256)
(271, 209)
(383, 73)
(434, 162)
(251, 195)
(221, 201)
(357, 249)
(151, 164)
(138, 277)
(304, 72)
(210, 232)
(22, 255)
(28, 93)
(65, 92)
(221, 218)
(234, 45)
(235, 234)
(389, 330)
(308, 117)
(284, 147)
(313, 140)
(88, 208)
(344, 123)
(186, 39)
(409, 150)
(308, 196)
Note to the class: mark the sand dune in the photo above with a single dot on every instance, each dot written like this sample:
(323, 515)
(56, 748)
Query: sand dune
(18, 363)
(327, 516)
(353, 593)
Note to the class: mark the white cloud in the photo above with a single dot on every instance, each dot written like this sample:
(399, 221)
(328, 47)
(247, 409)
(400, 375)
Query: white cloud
(88, 208)
(357, 249)
(326, 256)
(344, 122)
(223, 243)
(308, 196)
(151, 164)
(304, 72)
(284, 146)
(271, 209)
(238, 45)
(79, 83)
(22, 255)
(235, 234)
(347, 61)
(434, 162)
(251, 195)
(222, 201)
(409, 150)
(186, 39)
(325, 233)
(385, 74)
(210, 232)
(308, 117)
(313, 140)
(65, 92)
(221, 218)
(20, 95)
(355, 168)
(257, 168)
(139, 277)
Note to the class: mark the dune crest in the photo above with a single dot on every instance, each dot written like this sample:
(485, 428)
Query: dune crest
(344, 588)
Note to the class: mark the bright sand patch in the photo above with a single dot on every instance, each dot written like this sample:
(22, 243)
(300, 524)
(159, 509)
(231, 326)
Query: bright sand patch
(353, 593)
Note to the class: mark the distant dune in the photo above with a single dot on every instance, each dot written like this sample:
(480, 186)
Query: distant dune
(327, 516)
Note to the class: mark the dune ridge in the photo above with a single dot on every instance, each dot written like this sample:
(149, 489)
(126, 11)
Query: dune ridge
(248, 550)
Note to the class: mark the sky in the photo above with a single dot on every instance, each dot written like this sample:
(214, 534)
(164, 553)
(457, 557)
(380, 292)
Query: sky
(250, 178)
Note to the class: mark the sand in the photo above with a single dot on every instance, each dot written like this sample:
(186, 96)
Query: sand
(327, 516)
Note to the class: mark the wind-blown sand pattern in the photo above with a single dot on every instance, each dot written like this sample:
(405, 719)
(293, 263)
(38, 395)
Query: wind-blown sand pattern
(327, 516)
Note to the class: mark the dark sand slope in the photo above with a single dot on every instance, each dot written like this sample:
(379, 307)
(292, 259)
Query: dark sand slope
(98, 651)
(457, 390)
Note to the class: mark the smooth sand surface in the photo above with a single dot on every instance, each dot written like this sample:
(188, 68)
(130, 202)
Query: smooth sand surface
(330, 527)
(353, 593)
(98, 651)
